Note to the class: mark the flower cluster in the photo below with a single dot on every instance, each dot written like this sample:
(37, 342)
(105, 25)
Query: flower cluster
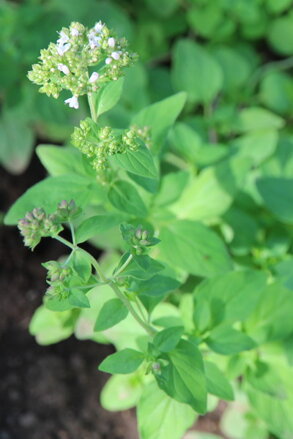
(100, 143)
(57, 275)
(69, 64)
(38, 224)
(67, 210)
(137, 238)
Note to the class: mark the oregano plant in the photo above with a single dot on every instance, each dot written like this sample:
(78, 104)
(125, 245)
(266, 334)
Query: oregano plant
(194, 317)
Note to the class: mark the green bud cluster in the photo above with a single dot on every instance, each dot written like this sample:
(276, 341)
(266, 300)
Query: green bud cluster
(69, 63)
(67, 210)
(57, 275)
(56, 271)
(36, 225)
(100, 143)
(137, 238)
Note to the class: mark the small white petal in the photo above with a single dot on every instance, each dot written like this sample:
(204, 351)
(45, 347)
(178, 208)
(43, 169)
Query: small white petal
(62, 48)
(108, 60)
(94, 41)
(63, 68)
(94, 77)
(111, 42)
(63, 38)
(115, 55)
(72, 102)
(99, 26)
(74, 32)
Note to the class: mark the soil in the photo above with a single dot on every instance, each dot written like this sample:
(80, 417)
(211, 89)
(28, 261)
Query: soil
(49, 392)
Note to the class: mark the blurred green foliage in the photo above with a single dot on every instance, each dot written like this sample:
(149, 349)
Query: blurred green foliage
(234, 54)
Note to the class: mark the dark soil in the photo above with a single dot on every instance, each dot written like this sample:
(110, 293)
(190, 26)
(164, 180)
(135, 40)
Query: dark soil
(48, 392)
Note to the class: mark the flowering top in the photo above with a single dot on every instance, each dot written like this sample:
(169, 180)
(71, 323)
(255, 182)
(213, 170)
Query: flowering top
(69, 64)
(100, 143)
(38, 224)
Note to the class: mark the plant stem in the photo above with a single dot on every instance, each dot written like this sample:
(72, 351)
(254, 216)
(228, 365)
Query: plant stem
(284, 64)
(72, 233)
(123, 266)
(92, 107)
(65, 242)
(148, 328)
(137, 302)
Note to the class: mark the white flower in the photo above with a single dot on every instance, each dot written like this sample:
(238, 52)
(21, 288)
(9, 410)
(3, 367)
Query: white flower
(74, 32)
(62, 48)
(94, 41)
(99, 27)
(63, 68)
(94, 77)
(63, 38)
(108, 60)
(115, 55)
(72, 102)
(111, 42)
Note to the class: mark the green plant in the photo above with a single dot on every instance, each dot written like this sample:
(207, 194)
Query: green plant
(194, 287)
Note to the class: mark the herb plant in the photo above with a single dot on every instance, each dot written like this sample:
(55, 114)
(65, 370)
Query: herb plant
(194, 285)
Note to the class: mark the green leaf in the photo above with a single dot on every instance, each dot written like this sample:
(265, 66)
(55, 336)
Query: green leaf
(227, 341)
(123, 196)
(62, 160)
(277, 6)
(48, 193)
(257, 118)
(51, 327)
(57, 304)
(158, 285)
(284, 271)
(108, 96)
(276, 92)
(152, 291)
(276, 412)
(163, 9)
(160, 117)
(277, 194)
(230, 296)
(121, 392)
(172, 186)
(161, 417)
(210, 193)
(281, 34)
(167, 339)
(149, 184)
(272, 317)
(81, 264)
(16, 140)
(96, 224)
(264, 378)
(236, 68)
(141, 267)
(193, 247)
(183, 377)
(196, 72)
(112, 312)
(186, 141)
(122, 362)
(217, 383)
(257, 145)
(138, 162)
(78, 298)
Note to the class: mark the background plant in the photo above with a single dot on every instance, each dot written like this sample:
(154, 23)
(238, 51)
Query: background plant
(224, 170)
